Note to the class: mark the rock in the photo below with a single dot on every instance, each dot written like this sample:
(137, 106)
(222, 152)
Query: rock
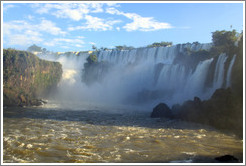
(224, 111)
(225, 94)
(161, 110)
(23, 99)
(26, 77)
(36, 102)
(227, 159)
(197, 101)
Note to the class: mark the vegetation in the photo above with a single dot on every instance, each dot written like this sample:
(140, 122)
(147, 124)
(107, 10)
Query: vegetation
(94, 71)
(161, 44)
(26, 77)
(34, 48)
(124, 47)
(94, 48)
(224, 42)
(92, 59)
(237, 70)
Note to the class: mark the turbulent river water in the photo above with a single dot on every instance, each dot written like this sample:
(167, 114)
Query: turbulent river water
(53, 135)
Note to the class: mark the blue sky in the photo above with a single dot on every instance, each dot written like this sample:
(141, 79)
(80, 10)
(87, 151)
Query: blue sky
(77, 26)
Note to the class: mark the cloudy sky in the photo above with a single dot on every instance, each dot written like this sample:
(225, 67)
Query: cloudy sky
(78, 26)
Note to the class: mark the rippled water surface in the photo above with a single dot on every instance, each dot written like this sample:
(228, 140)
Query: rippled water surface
(52, 135)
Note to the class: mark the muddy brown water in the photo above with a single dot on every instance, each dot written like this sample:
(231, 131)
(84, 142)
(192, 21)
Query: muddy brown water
(38, 135)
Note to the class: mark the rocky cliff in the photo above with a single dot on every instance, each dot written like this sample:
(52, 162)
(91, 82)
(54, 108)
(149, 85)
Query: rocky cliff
(224, 110)
(27, 78)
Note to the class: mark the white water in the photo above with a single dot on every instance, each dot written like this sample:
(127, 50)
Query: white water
(228, 77)
(133, 77)
(219, 71)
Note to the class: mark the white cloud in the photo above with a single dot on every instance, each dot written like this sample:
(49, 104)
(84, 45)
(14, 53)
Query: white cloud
(97, 8)
(30, 17)
(65, 41)
(92, 43)
(74, 11)
(78, 45)
(19, 32)
(96, 24)
(139, 22)
(113, 4)
(81, 11)
(63, 10)
(66, 47)
(27, 38)
(8, 6)
(146, 24)
(80, 37)
(44, 26)
(50, 27)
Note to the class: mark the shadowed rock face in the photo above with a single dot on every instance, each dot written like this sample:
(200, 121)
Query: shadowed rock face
(161, 110)
(227, 159)
(222, 111)
(26, 77)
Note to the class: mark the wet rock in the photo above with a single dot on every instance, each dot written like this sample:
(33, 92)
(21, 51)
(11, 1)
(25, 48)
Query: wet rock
(197, 101)
(26, 77)
(227, 159)
(22, 98)
(222, 111)
(161, 110)
(36, 102)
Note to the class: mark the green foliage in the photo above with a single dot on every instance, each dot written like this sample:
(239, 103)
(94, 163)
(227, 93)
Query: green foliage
(94, 71)
(161, 44)
(124, 47)
(224, 42)
(34, 48)
(27, 75)
(92, 59)
(94, 48)
(104, 48)
(237, 71)
(224, 38)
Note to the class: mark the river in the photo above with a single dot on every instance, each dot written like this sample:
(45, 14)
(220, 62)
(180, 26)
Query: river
(55, 135)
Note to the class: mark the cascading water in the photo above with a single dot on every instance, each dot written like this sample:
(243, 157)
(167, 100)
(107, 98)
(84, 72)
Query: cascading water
(143, 76)
(98, 127)
(228, 77)
(219, 71)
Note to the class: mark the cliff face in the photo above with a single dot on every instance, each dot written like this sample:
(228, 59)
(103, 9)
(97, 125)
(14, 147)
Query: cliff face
(26, 77)
(224, 110)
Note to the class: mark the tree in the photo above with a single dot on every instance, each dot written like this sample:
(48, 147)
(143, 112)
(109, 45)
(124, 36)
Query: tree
(225, 38)
(119, 47)
(94, 48)
(44, 50)
(124, 47)
(224, 41)
(161, 44)
(92, 59)
(34, 48)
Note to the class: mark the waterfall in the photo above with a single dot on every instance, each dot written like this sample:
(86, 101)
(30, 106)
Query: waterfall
(228, 77)
(144, 76)
(219, 71)
(196, 81)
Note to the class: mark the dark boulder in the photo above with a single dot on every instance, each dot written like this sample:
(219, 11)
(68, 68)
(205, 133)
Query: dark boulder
(227, 159)
(161, 110)
(224, 111)
(190, 110)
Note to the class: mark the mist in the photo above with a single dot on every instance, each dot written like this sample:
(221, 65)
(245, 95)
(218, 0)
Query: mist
(139, 78)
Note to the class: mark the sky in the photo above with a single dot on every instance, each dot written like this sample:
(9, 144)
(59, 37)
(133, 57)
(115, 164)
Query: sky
(62, 27)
